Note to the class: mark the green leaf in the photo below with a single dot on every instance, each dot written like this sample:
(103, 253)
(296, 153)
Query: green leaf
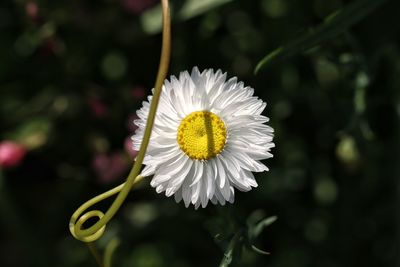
(255, 217)
(34, 133)
(151, 19)
(334, 24)
(256, 231)
(193, 8)
(259, 251)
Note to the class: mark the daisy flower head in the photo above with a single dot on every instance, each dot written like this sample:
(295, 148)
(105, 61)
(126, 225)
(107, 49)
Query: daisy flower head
(207, 139)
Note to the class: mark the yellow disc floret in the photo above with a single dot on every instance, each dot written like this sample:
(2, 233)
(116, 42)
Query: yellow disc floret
(201, 135)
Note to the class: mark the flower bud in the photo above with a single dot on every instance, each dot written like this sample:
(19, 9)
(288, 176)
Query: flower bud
(11, 154)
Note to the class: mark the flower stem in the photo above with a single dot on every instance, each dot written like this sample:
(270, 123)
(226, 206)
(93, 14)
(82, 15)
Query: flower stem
(228, 255)
(79, 217)
(109, 252)
(93, 249)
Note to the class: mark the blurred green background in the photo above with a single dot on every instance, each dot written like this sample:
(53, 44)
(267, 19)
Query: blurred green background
(73, 73)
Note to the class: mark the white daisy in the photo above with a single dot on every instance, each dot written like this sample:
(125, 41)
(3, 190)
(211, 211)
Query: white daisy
(208, 138)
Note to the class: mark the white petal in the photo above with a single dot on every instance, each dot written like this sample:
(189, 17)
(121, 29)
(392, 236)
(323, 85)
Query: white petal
(178, 195)
(203, 192)
(196, 188)
(248, 163)
(232, 197)
(199, 172)
(225, 191)
(235, 176)
(210, 180)
(186, 191)
(148, 170)
(219, 196)
(220, 171)
(176, 183)
(250, 178)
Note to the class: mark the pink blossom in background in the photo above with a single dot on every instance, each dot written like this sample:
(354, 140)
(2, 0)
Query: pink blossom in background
(32, 10)
(97, 107)
(110, 168)
(128, 145)
(138, 93)
(11, 154)
(137, 6)
(130, 125)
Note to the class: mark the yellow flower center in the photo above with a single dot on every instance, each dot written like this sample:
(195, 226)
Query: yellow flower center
(201, 135)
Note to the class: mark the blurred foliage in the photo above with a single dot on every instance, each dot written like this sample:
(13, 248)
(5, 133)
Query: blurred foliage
(72, 74)
(334, 24)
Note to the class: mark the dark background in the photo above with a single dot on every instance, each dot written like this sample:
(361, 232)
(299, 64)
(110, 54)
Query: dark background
(72, 74)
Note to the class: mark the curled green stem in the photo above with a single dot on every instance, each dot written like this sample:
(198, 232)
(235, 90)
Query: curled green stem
(80, 216)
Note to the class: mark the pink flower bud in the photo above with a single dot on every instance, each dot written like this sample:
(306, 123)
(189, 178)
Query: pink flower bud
(11, 154)
(130, 125)
(137, 6)
(128, 145)
(32, 10)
